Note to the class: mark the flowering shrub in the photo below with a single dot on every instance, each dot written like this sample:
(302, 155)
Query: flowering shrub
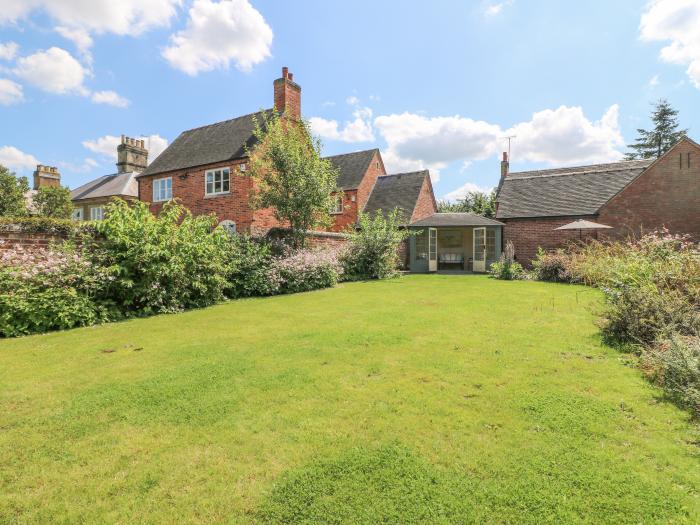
(674, 364)
(306, 270)
(553, 266)
(49, 289)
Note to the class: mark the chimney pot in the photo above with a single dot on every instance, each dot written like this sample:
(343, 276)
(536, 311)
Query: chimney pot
(285, 72)
(505, 156)
(291, 76)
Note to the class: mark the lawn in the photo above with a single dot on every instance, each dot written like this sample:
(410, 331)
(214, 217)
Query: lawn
(426, 399)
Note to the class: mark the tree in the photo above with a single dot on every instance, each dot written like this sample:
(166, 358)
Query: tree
(656, 142)
(291, 177)
(478, 202)
(53, 202)
(13, 201)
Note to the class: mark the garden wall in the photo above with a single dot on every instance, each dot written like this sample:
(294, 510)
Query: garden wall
(13, 237)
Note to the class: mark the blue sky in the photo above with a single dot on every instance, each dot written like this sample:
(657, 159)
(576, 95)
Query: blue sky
(432, 84)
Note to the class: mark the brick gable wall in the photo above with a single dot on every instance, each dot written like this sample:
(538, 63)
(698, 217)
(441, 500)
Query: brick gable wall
(426, 204)
(667, 195)
(351, 208)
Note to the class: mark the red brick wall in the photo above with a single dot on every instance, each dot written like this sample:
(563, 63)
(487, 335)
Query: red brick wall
(287, 97)
(425, 205)
(342, 221)
(28, 241)
(667, 195)
(528, 235)
(188, 187)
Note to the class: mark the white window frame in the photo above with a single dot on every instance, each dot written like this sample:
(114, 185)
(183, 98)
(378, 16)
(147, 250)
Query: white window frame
(158, 194)
(97, 213)
(223, 172)
(338, 209)
(77, 214)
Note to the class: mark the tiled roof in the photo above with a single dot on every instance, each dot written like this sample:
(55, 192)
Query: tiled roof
(218, 142)
(352, 167)
(456, 219)
(396, 191)
(117, 184)
(580, 190)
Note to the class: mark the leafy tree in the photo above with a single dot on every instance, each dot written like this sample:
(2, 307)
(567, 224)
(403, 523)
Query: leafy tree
(478, 202)
(13, 201)
(374, 247)
(654, 143)
(53, 202)
(291, 176)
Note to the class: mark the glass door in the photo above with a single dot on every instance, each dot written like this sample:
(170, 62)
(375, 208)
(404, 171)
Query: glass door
(479, 249)
(432, 250)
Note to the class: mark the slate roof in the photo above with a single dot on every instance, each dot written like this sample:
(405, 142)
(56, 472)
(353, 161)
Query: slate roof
(117, 184)
(396, 191)
(353, 167)
(580, 190)
(217, 142)
(456, 219)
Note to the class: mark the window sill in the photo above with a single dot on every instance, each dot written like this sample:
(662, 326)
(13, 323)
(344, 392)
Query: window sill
(215, 195)
(335, 212)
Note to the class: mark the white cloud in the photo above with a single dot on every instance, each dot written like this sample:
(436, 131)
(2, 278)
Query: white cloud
(111, 98)
(123, 17)
(462, 191)
(8, 50)
(352, 100)
(566, 136)
(107, 146)
(15, 159)
(54, 70)
(80, 37)
(218, 33)
(495, 9)
(10, 92)
(419, 142)
(357, 130)
(88, 164)
(677, 21)
(560, 136)
(654, 81)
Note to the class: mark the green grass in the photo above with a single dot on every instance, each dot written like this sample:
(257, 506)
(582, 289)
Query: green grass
(426, 399)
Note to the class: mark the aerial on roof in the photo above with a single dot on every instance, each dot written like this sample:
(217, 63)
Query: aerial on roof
(580, 190)
(217, 142)
(397, 191)
(456, 219)
(118, 184)
(352, 167)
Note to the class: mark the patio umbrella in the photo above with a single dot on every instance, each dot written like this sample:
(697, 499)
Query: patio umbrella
(581, 225)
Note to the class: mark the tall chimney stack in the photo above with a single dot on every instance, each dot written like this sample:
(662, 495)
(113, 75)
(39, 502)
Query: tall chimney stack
(504, 166)
(288, 95)
(46, 176)
(132, 155)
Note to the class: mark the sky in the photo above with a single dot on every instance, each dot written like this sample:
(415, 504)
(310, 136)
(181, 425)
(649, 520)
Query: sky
(436, 85)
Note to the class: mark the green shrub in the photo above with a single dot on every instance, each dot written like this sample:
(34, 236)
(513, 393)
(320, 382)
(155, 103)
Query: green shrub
(163, 263)
(674, 364)
(507, 270)
(249, 264)
(374, 245)
(48, 225)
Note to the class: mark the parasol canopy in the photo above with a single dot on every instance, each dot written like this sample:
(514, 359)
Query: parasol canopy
(581, 225)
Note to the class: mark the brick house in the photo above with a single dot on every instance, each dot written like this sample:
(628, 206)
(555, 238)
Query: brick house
(90, 199)
(632, 197)
(206, 169)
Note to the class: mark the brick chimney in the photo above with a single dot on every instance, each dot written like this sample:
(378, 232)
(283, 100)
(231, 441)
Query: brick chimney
(288, 95)
(504, 166)
(132, 155)
(46, 176)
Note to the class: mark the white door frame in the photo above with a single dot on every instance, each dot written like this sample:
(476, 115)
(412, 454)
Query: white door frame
(432, 250)
(479, 257)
